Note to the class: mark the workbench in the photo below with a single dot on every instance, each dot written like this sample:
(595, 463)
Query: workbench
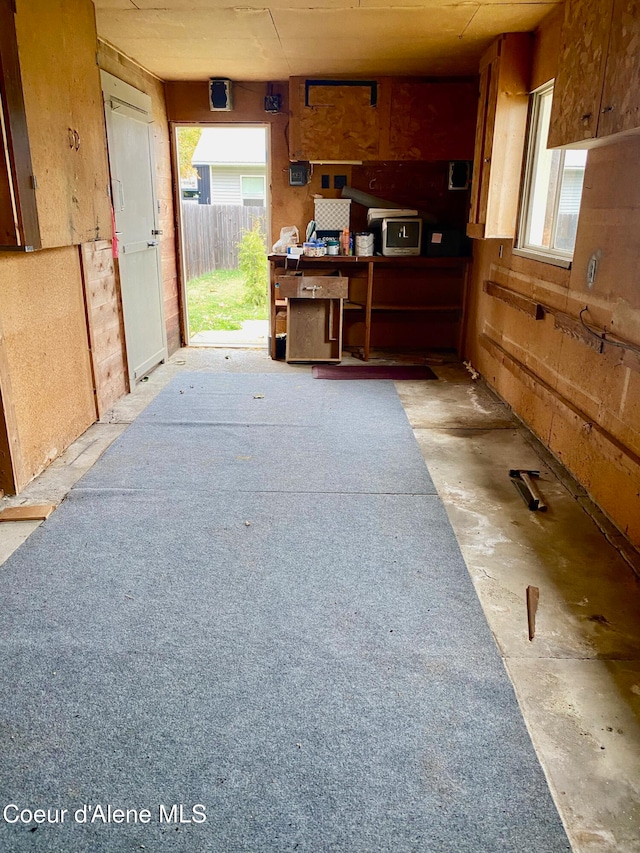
(394, 303)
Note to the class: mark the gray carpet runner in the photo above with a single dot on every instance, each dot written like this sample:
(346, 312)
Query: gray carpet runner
(253, 610)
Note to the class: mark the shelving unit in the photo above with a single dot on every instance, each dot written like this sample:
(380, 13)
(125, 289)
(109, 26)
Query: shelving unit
(392, 302)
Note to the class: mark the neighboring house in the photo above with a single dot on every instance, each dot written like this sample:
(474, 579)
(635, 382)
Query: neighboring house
(232, 166)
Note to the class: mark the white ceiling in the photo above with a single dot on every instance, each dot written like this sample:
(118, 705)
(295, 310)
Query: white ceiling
(198, 39)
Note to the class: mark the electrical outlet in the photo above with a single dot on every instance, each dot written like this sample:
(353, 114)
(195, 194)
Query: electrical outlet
(325, 182)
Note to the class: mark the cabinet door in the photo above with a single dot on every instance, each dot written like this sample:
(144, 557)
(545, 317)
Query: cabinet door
(482, 152)
(90, 207)
(42, 40)
(65, 119)
(581, 68)
(620, 106)
(500, 136)
(431, 121)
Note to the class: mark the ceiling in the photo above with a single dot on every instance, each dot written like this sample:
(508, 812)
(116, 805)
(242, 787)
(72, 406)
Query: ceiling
(198, 39)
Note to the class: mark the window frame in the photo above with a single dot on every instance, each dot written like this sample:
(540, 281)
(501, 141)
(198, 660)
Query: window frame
(554, 256)
(264, 190)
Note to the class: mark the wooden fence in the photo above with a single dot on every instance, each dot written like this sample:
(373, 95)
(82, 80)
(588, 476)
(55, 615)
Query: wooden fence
(211, 233)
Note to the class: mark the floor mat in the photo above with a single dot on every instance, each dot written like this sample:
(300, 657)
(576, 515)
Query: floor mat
(372, 371)
(308, 669)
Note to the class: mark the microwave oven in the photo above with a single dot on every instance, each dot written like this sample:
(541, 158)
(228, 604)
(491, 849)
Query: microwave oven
(400, 236)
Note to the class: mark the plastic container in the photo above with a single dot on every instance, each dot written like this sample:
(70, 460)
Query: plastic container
(315, 249)
(332, 214)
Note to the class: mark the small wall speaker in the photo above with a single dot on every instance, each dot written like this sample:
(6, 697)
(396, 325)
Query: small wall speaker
(220, 94)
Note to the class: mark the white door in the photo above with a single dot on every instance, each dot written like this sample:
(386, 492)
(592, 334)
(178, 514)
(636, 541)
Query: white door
(130, 141)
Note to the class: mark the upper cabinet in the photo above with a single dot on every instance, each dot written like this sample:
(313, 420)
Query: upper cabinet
(596, 92)
(18, 210)
(500, 136)
(431, 121)
(383, 118)
(64, 119)
(335, 119)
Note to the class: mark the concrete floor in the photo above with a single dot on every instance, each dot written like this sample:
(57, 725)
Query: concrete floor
(578, 681)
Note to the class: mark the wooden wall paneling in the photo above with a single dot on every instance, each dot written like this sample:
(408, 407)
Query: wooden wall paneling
(106, 328)
(431, 121)
(18, 209)
(338, 123)
(616, 452)
(515, 300)
(47, 351)
(620, 106)
(581, 68)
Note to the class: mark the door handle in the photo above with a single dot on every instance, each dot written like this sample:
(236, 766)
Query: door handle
(152, 243)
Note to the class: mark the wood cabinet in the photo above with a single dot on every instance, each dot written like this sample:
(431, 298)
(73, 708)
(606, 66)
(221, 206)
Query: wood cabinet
(396, 303)
(314, 315)
(336, 119)
(65, 119)
(384, 118)
(596, 93)
(18, 210)
(500, 136)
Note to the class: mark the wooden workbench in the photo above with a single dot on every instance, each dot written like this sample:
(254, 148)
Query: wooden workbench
(408, 302)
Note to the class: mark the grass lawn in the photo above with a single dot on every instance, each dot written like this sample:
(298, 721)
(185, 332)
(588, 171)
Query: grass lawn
(216, 301)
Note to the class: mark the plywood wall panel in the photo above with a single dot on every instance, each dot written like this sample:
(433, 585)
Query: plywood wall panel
(548, 40)
(47, 354)
(106, 328)
(431, 121)
(338, 123)
(584, 405)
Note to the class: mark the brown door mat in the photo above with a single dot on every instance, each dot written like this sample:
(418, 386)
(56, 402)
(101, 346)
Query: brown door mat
(27, 513)
(372, 371)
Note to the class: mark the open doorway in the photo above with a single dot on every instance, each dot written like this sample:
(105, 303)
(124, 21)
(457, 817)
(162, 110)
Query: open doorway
(224, 212)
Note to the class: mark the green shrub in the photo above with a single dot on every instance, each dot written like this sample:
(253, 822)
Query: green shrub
(252, 263)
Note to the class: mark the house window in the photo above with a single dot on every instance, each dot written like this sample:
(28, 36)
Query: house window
(253, 190)
(552, 189)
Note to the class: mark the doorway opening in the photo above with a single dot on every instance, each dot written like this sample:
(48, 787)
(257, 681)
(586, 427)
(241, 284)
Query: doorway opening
(224, 216)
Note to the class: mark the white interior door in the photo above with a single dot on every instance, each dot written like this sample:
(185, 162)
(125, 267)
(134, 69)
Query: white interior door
(128, 114)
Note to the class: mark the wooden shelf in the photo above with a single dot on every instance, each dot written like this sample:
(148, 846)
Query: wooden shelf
(397, 307)
(414, 261)
(383, 294)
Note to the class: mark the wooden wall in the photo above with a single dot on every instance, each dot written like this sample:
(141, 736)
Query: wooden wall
(45, 372)
(582, 403)
(115, 63)
(105, 324)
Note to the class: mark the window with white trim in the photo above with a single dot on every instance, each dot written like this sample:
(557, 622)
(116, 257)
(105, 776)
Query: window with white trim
(552, 188)
(253, 190)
